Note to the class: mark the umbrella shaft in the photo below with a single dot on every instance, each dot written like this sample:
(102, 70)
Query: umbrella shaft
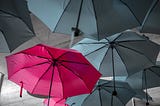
(51, 84)
(79, 13)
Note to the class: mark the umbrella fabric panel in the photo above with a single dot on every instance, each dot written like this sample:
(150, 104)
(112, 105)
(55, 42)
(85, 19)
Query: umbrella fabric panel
(54, 7)
(3, 43)
(151, 24)
(139, 7)
(137, 80)
(113, 13)
(55, 102)
(18, 9)
(76, 100)
(151, 81)
(14, 36)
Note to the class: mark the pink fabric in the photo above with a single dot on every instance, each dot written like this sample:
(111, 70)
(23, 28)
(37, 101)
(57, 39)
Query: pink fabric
(55, 102)
(72, 74)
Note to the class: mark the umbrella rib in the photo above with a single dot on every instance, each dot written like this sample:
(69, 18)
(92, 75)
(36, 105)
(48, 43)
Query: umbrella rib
(74, 73)
(72, 62)
(35, 55)
(61, 79)
(49, 52)
(95, 50)
(131, 41)
(131, 12)
(96, 19)
(120, 99)
(89, 95)
(157, 74)
(35, 65)
(41, 77)
(153, 5)
(63, 54)
(16, 17)
(118, 37)
(93, 43)
(62, 15)
(104, 56)
(136, 52)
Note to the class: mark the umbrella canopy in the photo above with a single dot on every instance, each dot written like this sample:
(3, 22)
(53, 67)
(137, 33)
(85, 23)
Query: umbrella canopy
(151, 8)
(120, 54)
(103, 95)
(85, 16)
(52, 71)
(76, 100)
(15, 24)
(55, 102)
(147, 78)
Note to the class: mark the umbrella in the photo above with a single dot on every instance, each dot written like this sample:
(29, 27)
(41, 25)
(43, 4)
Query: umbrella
(103, 94)
(15, 24)
(119, 54)
(147, 78)
(125, 53)
(150, 23)
(56, 102)
(52, 71)
(76, 100)
(87, 17)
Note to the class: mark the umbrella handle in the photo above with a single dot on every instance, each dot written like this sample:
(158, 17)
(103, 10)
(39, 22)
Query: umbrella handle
(21, 90)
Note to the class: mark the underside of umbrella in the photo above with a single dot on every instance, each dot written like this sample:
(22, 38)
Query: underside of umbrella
(15, 24)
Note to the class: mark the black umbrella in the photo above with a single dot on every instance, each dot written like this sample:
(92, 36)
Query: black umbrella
(15, 24)
(88, 17)
(147, 78)
(149, 11)
(104, 95)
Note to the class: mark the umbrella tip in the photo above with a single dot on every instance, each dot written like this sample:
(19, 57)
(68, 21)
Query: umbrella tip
(114, 93)
(76, 31)
(147, 103)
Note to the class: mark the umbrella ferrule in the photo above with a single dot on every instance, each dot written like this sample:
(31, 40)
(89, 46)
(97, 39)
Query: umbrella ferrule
(76, 31)
(114, 93)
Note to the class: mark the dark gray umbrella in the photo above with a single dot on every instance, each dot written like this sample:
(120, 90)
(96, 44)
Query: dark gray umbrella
(147, 78)
(103, 94)
(15, 24)
(149, 11)
(88, 17)
(120, 54)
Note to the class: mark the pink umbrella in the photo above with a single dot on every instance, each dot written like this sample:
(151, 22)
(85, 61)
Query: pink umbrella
(56, 102)
(52, 71)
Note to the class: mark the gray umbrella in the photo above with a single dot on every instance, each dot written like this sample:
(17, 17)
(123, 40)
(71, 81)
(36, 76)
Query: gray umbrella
(120, 54)
(147, 78)
(15, 24)
(151, 22)
(103, 94)
(88, 17)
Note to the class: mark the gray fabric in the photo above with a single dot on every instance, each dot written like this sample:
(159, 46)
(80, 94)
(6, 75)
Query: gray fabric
(15, 24)
(76, 100)
(151, 23)
(17, 8)
(147, 12)
(137, 80)
(97, 18)
(139, 7)
(102, 94)
(131, 53)
(15, 32)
